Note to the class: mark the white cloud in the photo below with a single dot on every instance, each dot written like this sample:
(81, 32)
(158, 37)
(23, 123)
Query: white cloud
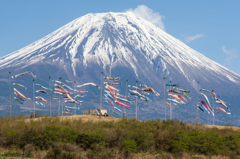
(189, 39)
(231, 54)
(148, 14)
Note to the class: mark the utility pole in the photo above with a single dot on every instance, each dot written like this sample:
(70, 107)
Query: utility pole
(124, 113)
(59, 101)
(62, 107)
(164, 98)
(50, 95)
(197, 105)
(101, 97)
(33, 99)
(10, 94)
(213, 109)
(170, 104)
(136, 100)
(74, 96)
(109, 108)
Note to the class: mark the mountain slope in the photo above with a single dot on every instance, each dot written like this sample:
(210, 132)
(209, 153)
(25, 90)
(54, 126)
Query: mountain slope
(120, 44)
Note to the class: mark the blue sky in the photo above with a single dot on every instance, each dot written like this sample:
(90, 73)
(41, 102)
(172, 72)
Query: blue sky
(209, 27)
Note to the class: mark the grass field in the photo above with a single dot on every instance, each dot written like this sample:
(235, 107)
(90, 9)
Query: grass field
(2, 157)
(88, 136)
(95, 118)
(84, 118)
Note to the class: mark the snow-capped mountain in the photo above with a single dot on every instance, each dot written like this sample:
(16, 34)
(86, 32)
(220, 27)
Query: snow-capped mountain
(120, 44)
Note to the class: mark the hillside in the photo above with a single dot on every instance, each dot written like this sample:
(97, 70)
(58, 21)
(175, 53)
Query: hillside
(95, 118)
(88, 137)
(84, 118)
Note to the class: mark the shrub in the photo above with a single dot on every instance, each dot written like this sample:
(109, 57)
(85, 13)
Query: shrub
(69, 135)
(58, 134)
(145, 141)
(63, 150)
(52, 134)
(113, 139)
(129, 146)
(213, 144)
(232, 144)
(104, 153)
(91, 136)
(28, 150)
(97, 147)
(10, 154)
(31, 137)
(10, 136)
(54, 152)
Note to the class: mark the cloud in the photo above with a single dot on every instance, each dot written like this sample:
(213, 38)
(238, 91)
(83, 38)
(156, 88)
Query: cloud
(148, 14)
(189, 39)
(231, 54)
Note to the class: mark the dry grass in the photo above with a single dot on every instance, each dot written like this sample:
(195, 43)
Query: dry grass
(222, 127)
(164, 155)
(84, 118)
(142, 155)
(93, 118)
(3, 150)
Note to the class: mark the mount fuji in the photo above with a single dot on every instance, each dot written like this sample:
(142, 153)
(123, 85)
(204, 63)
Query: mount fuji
(121, 45)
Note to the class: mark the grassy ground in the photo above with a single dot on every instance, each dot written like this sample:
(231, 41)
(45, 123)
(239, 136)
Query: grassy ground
(2, 157)
(84, 118)
(88, 136)
(95, 118)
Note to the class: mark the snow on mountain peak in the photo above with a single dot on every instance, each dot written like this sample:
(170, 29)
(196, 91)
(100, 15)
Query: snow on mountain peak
(117, 39)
